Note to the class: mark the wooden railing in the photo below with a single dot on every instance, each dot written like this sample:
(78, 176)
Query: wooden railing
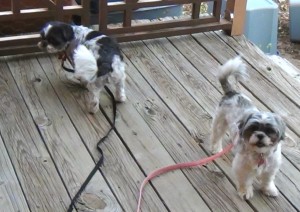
(127, 30)
(30, 20)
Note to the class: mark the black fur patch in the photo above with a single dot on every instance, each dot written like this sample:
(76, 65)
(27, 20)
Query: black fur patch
(93, 34)
(108, 49)
(227, 96)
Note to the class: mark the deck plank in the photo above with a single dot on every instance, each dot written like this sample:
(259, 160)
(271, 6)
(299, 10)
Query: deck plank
(277, 102)
(185, 44)
(34, 167)
(11, 195)
(166, 53)
(176, 139)
(61, 138)
(282, 107)
(265, 66)
(210, 70)
(48, 139)
(119, 168)
(176, 191)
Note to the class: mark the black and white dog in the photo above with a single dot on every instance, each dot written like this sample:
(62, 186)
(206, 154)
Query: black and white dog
(96, 58)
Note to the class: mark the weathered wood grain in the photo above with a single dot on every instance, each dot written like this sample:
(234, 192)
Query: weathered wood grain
(162, 49)
(61, 138)
(280, 104)
(119, 168)
(265, 66)
(213, 188)
(277, 102)
(49, 138)
(176, 191)
(11, 195)
(34, 167)
(181, 44)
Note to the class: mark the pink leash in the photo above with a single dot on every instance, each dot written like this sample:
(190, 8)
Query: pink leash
(179, 166)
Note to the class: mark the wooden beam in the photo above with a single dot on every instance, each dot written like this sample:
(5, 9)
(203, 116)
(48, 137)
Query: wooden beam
(15, 5)
(85, 17)
(223, 25)
(237, 8)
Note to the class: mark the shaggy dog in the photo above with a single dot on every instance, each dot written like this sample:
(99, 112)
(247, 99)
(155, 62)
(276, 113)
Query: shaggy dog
(96, 58)
(257, 135)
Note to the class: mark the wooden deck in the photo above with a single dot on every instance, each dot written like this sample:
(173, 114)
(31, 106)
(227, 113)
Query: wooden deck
(47, 138)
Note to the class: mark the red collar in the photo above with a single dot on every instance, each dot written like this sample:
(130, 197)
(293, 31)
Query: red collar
(261, 160)
(62, 55)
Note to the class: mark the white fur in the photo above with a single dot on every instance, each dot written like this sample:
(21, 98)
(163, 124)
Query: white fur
(85, 65)
(246, 164)
(117, 78)
(47, 28)
(234, 67)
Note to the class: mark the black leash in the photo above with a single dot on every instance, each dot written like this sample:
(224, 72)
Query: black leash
(101, 159)
(64, 56)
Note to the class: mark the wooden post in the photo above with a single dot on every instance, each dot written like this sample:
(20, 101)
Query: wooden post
(196, 10)
(103, 16)
(85, 13)
(15, 5)
(238, 9)
(59, 14)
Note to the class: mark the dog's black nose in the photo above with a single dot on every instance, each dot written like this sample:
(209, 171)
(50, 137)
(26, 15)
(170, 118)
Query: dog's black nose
(260, 136)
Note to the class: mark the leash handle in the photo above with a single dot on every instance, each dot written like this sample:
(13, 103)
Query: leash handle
(166, 169)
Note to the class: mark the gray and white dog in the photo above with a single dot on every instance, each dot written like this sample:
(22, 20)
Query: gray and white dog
(256, 135)
(96, 58)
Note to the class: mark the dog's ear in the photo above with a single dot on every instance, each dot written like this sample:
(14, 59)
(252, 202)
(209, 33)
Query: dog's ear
(281, 126)
(242, 123)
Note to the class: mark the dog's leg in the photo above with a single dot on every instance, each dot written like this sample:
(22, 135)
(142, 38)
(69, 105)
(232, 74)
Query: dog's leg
(219, 127)
(93, 97)
(267, 183)
(244, 176)
(267, 177)
(118, 77)
(120, 89)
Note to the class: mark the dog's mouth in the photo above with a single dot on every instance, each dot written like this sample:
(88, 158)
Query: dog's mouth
(260, 144)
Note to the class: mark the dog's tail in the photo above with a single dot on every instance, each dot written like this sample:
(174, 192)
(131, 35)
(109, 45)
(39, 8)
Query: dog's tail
(233, 67)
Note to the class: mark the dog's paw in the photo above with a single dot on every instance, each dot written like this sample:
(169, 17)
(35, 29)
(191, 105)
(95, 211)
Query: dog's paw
(216, 149)
(121, 98)
(246, 193)
(271, 191)
(93, 107)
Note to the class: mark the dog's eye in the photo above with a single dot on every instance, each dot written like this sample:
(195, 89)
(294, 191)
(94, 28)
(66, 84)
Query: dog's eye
(270, 131)
(253, 128)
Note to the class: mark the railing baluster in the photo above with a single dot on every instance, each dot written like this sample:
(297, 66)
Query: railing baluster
(59, 15)
(15, 6)
(103, 15)
(85, 17)
(193, 24)
(217, 9)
